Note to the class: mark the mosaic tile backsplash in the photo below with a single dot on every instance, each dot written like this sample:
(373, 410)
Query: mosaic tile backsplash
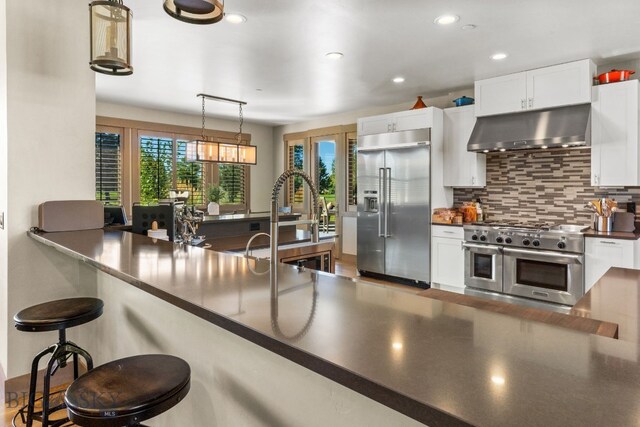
(541, 186)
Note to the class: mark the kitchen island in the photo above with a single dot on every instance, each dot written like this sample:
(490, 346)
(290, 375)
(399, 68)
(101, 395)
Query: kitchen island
(332, 351)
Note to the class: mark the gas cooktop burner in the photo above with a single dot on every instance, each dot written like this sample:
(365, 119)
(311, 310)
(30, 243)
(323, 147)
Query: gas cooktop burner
(516, 224)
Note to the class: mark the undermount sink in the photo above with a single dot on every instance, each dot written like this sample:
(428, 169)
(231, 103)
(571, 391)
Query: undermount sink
(571, 228)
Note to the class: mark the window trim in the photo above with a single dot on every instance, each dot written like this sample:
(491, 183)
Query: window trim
(125, 162)
(339, 134)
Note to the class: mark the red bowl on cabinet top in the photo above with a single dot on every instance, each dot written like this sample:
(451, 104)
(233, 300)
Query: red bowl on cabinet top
(615, 76)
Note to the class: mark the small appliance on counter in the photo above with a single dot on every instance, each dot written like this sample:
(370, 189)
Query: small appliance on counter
(624, 221)
(163, 213)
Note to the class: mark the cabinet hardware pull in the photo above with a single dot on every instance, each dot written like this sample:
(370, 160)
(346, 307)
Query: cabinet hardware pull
(606, 242)
(522, 104)
(530, 102)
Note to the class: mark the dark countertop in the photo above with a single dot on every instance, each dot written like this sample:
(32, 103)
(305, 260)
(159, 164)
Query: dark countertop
(635, 235)
(248, 217)
(616, 298)
(437, 362)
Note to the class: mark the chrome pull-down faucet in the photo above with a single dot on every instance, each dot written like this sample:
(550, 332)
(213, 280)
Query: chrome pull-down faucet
(277, 187)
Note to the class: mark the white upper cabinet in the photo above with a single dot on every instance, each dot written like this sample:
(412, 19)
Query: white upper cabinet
(501, 95)
(615, 127)
(556, 86)
(396, 122)
(461, 168)
(564, 84)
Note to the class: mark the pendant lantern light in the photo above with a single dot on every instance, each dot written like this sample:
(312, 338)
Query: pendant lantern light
(195, 11)
(203, 150)
(110, 22)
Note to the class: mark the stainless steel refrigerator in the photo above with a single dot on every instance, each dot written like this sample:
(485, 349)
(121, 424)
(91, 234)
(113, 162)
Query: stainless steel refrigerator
(394, 212)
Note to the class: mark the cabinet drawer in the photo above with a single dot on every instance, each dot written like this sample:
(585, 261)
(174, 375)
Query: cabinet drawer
(447, 232)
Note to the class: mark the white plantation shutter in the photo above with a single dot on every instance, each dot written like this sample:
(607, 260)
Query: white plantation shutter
(232, 178)
(352, 171)
(156, 168)
(108, 168)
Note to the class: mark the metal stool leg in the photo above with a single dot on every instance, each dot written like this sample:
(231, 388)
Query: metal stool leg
(57, 355)
(73, 348)
(34, 380)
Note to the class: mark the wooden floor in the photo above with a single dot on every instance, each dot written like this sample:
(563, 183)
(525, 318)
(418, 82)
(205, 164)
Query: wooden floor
(12, 406)
(346, 266)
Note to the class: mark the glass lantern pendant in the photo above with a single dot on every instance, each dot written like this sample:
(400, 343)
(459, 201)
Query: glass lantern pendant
(195, 11)
(110, 22)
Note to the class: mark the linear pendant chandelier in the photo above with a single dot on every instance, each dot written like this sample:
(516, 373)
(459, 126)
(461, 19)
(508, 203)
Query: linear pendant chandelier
(195, 11)
(203, 150)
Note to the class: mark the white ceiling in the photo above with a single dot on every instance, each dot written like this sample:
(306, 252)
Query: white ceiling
(281, 48)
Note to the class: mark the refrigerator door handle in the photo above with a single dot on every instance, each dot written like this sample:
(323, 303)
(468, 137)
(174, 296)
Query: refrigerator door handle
(387, 202)
(381, 197)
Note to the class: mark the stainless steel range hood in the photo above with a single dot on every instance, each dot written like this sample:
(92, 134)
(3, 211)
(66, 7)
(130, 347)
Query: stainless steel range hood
(554, 128)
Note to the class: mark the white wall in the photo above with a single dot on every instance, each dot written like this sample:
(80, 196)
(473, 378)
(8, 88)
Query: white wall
(3, 192)
(350, 118)
(261, 135)
(50, 132)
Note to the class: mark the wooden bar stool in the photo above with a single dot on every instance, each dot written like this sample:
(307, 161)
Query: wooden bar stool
(128, 391)
(51, 316)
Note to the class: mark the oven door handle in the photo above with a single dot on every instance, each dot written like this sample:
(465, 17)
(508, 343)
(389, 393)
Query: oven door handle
(489, 248)
(577, 259)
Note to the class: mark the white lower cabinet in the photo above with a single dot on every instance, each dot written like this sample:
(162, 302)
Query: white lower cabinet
(601, 254)
(447, 256)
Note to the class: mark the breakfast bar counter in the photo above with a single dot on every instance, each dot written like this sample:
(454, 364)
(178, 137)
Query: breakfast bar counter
(333, 351)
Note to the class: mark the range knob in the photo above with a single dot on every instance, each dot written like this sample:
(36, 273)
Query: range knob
(562, 245)
(483, 238)
(474, 237)
(499, 239)
(526, 242)
(508, 240)
(536, 243)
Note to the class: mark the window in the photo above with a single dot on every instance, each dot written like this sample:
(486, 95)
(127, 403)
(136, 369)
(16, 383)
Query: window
(156, 168)
(295, 193)
(108, 168)
(232, 179)
(352, 169)
(142, 162)
(190, 176)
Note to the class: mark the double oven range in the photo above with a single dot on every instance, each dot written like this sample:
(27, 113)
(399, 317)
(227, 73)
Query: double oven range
(539, 261)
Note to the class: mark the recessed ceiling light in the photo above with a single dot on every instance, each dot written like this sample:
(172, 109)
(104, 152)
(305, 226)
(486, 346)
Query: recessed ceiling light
(565, 145)
(235, 18)
(498, 56)
(485, 151)
(544, 147)
(398, 79)
(334, 55)
(503, 149)
(469, 27)
(446, 19)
